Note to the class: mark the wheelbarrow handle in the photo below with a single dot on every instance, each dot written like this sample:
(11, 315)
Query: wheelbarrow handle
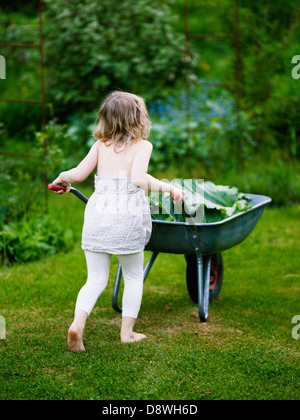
(56, 187)
(79, 194)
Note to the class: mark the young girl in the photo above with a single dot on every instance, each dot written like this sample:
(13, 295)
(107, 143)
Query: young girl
(117, 217)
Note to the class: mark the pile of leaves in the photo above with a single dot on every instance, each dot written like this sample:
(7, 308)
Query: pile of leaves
(204, 201)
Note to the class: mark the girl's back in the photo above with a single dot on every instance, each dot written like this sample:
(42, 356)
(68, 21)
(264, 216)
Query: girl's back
(116, 160)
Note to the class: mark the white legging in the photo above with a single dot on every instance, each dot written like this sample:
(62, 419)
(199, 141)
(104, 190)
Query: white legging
(98, 264)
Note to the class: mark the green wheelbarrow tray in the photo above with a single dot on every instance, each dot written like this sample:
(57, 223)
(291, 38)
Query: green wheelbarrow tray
(202, 244)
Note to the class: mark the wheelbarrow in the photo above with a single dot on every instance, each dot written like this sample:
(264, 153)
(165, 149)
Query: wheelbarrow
(201, 243)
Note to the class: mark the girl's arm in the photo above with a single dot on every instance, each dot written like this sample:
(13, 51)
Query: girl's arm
(81, 172)
(140, 177)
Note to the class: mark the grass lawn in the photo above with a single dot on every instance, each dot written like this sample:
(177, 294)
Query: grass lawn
(244, 351)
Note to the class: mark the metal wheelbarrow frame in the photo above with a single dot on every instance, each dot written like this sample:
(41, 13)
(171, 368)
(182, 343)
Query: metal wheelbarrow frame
(199, 243)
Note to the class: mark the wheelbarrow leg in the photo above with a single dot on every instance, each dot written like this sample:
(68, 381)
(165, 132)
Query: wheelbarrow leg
(203, 278)
(118, 280)
(207, 261)
(149, 264)
(116, 289)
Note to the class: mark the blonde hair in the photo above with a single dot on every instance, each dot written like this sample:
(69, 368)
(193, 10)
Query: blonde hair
(122, 117)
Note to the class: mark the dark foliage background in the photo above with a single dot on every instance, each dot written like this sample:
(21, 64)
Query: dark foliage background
(92, 48)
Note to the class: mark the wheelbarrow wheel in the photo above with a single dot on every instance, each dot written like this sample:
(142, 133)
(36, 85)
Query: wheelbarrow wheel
(216, 276)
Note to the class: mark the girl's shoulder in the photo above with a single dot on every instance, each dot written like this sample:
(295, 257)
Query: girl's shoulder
(145, 144)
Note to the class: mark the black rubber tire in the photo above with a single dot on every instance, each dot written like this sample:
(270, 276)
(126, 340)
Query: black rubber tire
(216, 276)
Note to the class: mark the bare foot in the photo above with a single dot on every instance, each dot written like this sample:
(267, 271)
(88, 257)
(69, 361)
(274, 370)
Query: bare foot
(132, 338)
(75, 342)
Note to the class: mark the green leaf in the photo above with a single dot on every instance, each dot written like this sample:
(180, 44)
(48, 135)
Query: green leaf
(205, 201)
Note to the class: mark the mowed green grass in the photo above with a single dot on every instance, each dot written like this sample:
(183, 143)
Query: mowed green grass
(244, 351)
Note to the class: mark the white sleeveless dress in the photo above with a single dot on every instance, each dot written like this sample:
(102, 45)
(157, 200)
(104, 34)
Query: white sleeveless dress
(117, 217)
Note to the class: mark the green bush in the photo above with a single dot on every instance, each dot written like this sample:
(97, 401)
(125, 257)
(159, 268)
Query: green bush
(274, 176)
(22, 180)
(208, 140)
(30, 240)
(23, 75)
(93, 47)
(25, 233)
(21, 186)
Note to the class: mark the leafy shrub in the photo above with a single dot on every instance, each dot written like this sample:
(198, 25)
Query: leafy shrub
(29, 240)
(25, 234)
(64, 148)
(22, 180)
(93, 47)
(23, 74)
(21, 186)
(273, 175)
(209, 139)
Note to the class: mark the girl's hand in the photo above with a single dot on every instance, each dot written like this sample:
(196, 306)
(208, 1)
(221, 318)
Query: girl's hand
(60, 181)
(177, 195)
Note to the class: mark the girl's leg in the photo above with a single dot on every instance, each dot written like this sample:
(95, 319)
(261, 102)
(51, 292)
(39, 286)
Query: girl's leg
(98, 265)
(132, 269)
